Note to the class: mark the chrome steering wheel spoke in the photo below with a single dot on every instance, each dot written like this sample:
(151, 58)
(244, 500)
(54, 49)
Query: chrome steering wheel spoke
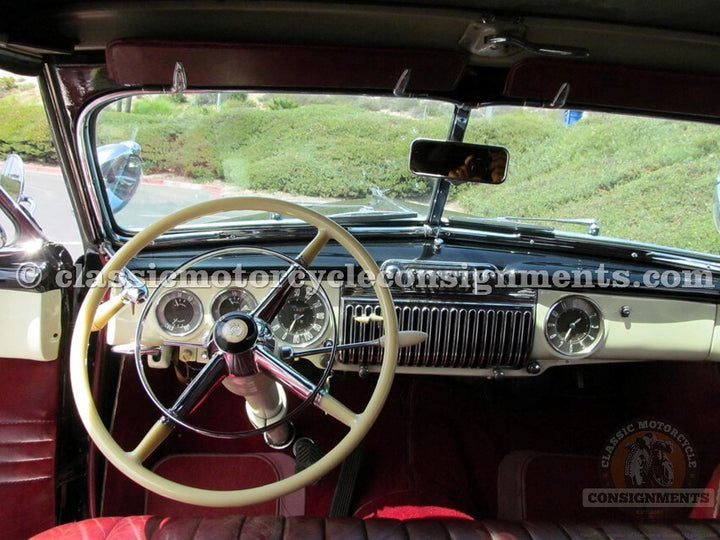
(305, 389)
(284, 373)
(271, 304)
(200, 387)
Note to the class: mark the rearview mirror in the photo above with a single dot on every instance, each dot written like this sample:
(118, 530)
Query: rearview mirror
(466, 162)
(12, 182)
(12, 177)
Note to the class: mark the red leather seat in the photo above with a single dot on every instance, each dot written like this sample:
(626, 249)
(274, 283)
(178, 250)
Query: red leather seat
(308, 528)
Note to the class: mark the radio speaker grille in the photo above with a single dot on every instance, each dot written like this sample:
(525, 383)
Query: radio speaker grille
(460, 336)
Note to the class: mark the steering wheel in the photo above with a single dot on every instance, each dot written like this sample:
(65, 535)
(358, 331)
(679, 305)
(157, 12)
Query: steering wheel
(130, 463)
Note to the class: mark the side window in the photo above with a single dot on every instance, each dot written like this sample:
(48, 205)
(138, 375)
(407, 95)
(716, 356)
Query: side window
(25, 133)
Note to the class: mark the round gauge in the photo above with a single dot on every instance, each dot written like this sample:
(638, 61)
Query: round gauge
(303, 319)
(232, 299)
(574, 326)
(179, 312)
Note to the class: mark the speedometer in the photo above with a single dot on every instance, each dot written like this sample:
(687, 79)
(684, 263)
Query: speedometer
(232, 299)
(303, 319)
(179, 312)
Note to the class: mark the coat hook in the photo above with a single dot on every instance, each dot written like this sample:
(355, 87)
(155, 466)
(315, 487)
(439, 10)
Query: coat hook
(402, 83)
(561, 97)
(179, 79)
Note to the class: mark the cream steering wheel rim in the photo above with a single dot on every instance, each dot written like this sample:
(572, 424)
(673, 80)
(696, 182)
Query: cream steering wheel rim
(124, 460)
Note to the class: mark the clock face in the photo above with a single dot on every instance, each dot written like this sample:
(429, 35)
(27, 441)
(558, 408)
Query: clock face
(303, 319)
(574, 326)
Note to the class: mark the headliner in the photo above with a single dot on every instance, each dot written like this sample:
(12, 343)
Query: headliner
(64, 25)
(658, 35)
(689, 15)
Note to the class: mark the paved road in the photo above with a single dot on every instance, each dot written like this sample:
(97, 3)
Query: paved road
(53, 210)
(55, 215)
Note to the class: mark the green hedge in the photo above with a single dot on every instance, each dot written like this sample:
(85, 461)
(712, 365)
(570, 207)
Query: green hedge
(275, 148)
(24, 130)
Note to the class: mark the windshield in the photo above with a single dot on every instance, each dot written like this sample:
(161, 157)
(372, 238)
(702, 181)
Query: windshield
(581, 174)
(641, 179)
(344, 156)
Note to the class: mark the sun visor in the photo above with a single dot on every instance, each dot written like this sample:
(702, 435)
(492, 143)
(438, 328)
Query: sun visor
(151, 63)
(602, 85)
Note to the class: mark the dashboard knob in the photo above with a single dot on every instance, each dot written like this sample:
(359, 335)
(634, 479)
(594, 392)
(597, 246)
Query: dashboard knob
(533, 368)
(390, 272)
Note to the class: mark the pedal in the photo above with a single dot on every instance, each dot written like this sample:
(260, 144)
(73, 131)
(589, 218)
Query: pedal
(342, 500)
(306, 452)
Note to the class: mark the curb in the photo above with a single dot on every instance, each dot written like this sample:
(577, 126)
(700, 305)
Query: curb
(217, 191)
(41, 167)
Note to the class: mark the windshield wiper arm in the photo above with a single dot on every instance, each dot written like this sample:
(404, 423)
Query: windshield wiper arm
(366, 216)
(592, 224)
(379, 195)
(396, 210)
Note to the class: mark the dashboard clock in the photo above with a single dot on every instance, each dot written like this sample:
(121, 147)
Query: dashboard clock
(574, 326)
(232, 299)
(303, 319)
(179, 312)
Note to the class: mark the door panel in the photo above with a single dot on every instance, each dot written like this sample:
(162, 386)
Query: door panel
(28, 435)
(30, 324)
(34, 303)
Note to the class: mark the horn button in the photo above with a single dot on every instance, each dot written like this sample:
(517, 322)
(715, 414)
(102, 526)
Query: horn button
(235, 333)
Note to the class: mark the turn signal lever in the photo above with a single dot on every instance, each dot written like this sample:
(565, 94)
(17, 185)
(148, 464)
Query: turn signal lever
(133, 291)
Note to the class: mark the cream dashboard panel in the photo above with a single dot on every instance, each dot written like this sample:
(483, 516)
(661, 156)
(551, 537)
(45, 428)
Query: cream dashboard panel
(654, 329)
(121, 329)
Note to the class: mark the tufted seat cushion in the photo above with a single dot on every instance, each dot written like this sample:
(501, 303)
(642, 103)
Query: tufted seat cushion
(309, 528)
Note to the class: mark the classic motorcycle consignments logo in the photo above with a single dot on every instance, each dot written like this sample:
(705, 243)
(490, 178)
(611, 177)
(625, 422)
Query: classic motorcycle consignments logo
(648, 464)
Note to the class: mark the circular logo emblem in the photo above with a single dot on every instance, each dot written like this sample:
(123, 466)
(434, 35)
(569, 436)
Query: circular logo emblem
(649, 454)
(234, 331)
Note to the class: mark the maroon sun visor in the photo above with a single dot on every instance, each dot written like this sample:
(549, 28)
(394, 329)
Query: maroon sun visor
(603, 85)
(151, 63)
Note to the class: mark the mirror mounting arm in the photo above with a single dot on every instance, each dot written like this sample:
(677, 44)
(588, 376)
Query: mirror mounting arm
(26, 227)
(461, 116)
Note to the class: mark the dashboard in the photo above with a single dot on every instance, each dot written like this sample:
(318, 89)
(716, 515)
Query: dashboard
(516, 331)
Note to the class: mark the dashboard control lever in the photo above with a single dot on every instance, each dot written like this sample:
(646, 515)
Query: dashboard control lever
(406, 338)
(129, 349)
